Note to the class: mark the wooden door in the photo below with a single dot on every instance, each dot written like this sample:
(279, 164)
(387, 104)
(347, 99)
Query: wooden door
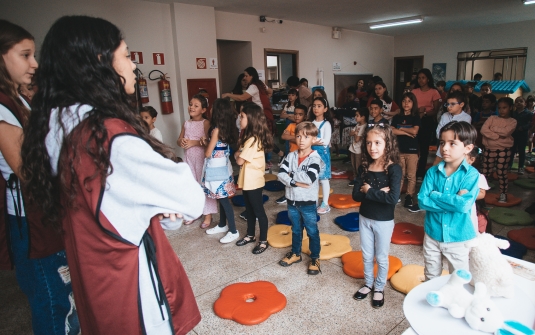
(403, 69)
(207, 84)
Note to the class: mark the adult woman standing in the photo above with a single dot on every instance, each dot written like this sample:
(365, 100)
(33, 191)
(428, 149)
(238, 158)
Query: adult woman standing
(428, 103)
(35, 250)
(240, 88)
(257, 92)
(90, 163)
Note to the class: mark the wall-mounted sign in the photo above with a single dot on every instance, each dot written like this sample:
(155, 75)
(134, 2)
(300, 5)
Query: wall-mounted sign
(337, 66)
(136, 57)
(158, 58)
(213, 63)
(201, 63)
(262, 75)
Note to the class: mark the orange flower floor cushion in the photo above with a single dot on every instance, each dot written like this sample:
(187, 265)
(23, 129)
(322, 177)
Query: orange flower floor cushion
(524, 236)
(270, 177)
(332, 246)
(341, 175)
(408, 233)
(530, 169)
(408, 277)
(249, 303)
(342, 201)
(433, 148)
(511, 176)
(354, 265)
(492, 199)
(280, 236)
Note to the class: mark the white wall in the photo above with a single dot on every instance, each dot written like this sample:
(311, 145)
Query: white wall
(443, 47)
(232, 55)
(146, 27)
(374, 53)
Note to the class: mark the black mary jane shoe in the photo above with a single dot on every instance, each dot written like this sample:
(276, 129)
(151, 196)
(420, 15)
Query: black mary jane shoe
(378, 303)
(246, 240)
(359, 296)
(260, 247)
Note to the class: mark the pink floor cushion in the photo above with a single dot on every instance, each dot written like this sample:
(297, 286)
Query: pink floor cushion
(408, 233)
(283, 218)
(348, 222)
(249, 303)
(341, 174)
(354, 265)
(492, 199)
(274, 186)
(524, 236)
(238, 200)
(342, 201)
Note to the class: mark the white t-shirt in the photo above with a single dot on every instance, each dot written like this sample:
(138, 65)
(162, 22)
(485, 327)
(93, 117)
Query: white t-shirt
(255, 94)
(481, 184)
(355, 147)
(157, 134)
(325, 132)
(8, 117)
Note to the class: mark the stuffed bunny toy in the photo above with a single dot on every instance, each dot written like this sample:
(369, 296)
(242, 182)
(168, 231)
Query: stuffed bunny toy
(488, 265)
(483, 314)
(453, 296)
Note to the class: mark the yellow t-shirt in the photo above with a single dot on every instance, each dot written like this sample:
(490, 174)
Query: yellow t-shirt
(252, 171)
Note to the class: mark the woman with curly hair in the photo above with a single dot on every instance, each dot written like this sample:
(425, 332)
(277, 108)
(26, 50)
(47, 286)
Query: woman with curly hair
(92, 165)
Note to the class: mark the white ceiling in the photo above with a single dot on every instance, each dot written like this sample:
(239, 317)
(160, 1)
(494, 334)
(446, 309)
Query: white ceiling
(439, 15)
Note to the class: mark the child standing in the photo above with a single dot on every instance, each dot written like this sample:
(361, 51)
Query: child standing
(376, 106)
(523, 122)
(498, 140)
(149, 114)
(218, 180)
(255, 139)
(455, 105)
(299, 172)
(190, 140)
(289, 135)
(405, 126)
(483, 187)
(377, 188)
(321, 117)
(390, 108)
(289, 108)
(447, 194)
(361, 116)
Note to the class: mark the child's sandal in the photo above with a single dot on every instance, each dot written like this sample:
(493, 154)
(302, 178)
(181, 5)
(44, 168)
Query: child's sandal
(259, 249)
(246, 240)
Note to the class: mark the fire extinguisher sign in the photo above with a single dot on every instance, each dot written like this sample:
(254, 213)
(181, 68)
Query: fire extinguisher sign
(136, 57)
(158, 58)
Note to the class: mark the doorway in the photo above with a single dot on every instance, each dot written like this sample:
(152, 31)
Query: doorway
(234, 57)
(279, 65)
(403, 69)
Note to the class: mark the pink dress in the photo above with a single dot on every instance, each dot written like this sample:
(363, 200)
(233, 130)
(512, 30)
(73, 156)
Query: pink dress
(194, 130)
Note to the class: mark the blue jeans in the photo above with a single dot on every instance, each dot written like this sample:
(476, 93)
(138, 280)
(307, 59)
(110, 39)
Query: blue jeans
(47, 284)
(304, 217)
(375, 239)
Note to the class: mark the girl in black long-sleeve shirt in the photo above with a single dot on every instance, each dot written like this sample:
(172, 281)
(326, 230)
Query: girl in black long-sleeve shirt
(377, 187)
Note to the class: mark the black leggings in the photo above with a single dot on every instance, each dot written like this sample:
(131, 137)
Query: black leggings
(226, 213)
(500, 159)
(521, 141)
(426, 134)
(254, 206)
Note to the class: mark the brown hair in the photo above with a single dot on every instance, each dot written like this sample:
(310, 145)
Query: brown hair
(391, 154)
(11, 34)
(307, 127)
(256, 127)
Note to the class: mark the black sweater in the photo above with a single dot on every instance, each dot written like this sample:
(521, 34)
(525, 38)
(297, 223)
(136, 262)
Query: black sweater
(376, 204)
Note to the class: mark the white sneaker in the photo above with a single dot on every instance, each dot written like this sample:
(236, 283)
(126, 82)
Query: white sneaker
(217, 230)
(230, 237)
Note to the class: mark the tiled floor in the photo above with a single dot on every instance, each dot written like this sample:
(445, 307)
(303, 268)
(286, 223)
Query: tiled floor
(321, 304)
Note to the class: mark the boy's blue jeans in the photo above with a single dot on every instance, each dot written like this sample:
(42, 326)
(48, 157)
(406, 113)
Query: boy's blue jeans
(47, 284)
(304, 217)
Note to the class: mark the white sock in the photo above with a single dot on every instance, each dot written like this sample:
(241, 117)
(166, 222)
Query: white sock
(326, 189)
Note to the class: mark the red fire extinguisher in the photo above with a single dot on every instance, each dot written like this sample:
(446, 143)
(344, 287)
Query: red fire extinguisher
(164, 86)
(143, 90)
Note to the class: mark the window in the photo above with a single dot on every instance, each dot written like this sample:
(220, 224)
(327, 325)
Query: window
(511, 63)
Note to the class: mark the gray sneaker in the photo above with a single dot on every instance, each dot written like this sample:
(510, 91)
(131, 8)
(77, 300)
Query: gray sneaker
(503, 198)
(520, 171)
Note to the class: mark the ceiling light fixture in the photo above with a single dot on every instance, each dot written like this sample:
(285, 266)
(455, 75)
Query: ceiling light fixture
(399, 22)
(528, 2)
